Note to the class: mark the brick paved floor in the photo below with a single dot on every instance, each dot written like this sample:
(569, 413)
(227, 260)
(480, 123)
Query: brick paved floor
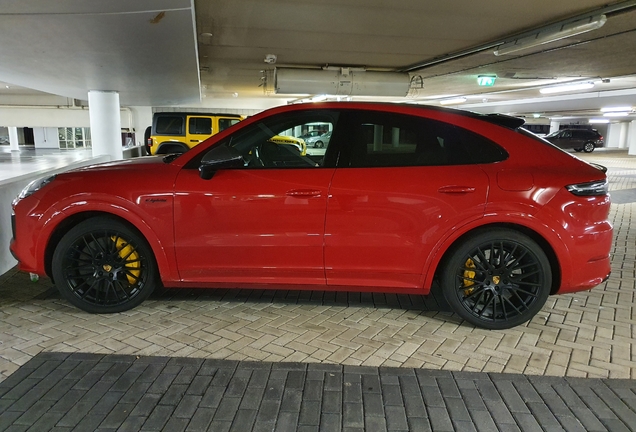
(92, 392)
(588, 334)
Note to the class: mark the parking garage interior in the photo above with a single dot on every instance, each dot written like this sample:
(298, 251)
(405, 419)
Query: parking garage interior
(79, 84)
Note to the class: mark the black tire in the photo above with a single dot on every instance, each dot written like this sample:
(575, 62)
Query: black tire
(319, 144)
(578, 150)
(588, 147)
(103, 266)
(497, 279)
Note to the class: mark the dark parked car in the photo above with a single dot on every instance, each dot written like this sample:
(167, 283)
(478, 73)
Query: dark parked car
(403, 196)
(578, 139)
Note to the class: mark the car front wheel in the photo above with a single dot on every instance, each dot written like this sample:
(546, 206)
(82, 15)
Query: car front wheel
(497, 279)
(103, 266)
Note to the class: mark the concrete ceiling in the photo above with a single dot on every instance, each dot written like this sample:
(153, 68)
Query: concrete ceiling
(153, 51)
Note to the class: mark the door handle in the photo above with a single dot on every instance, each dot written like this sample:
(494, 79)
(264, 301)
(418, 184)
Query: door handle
(195, 140)
(303, 193)
(454, 189)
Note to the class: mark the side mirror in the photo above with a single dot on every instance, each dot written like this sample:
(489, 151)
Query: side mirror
(218, 158)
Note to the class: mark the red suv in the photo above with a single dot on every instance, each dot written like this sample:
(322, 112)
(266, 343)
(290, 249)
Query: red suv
(403, 196)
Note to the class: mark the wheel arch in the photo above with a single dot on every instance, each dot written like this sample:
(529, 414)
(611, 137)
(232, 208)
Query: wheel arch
(167, 147)
(538, 238)
(72, 220)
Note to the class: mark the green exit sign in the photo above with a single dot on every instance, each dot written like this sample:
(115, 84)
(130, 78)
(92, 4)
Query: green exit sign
(486, 80)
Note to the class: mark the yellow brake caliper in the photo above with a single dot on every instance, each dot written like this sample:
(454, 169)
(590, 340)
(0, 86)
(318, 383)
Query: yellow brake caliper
(468, 275)
(127, 252)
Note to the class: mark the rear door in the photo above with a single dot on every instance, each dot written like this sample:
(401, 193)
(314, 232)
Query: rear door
(405, 184)
(199, 129)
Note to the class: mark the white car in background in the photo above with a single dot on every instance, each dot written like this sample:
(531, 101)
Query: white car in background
(319, 141)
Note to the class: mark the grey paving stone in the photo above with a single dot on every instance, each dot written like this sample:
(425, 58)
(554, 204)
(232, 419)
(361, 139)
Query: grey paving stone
(353, 415)
(332, 402)
(373, 405)
(375, 424)
(201, 420)
(287, 421)
(483, 421)
(440, 420)
(310, 413)
(396, 419)
(419, 424)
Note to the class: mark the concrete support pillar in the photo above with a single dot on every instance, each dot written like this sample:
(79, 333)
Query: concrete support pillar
(631, 138)
(622, 143)
(14, 145)
(105, 121)
(378, 137)
(554, 126)
(613, 138)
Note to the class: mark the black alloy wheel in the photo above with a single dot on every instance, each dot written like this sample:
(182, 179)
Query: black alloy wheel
(103, 266)
(588, 147)
(497, 279)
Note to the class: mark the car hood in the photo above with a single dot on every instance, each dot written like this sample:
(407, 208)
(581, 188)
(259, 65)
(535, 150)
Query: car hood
(141, 163)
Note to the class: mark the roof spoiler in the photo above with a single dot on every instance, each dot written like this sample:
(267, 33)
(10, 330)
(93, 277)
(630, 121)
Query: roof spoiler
(504, 120)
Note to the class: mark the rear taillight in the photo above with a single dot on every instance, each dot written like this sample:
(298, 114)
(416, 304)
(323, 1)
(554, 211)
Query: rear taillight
(149, 142)
(595, 188)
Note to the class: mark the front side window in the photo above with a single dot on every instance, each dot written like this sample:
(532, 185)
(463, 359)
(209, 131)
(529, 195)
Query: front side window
(276, 142)
(392, 140)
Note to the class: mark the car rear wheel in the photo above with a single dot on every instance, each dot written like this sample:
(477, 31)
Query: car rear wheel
(497, 279)
(588, 147)
(319, 144)
(103, 266)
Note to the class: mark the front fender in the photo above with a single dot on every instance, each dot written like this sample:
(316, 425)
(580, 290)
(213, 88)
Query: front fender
(156, 227)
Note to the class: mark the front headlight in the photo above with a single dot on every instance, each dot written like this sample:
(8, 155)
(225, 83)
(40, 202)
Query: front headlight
(35, 186)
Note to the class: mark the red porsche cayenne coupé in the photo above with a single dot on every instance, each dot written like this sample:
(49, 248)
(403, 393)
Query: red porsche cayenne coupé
(402, 196)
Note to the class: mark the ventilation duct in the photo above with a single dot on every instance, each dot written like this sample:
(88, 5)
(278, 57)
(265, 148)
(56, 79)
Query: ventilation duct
(341, 82)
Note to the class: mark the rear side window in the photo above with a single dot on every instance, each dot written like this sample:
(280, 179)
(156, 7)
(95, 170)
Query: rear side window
(392, 140)
(225, 123)
(201, 125)
(169, 125)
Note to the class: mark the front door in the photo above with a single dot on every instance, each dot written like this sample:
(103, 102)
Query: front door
(264, 222)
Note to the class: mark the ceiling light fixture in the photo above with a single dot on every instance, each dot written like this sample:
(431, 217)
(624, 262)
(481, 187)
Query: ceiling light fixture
(616, 114)
(341, 81)
(616, 109)
(453, 101)
(599, 121)
(567, 88)
(551, 34)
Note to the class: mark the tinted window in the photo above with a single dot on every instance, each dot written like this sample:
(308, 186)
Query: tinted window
(384, 140)
(169, 125)
(275, 143)
(201, 125)
(225, 123)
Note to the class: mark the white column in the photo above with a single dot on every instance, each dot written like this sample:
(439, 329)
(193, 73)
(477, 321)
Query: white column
(613, 138)
(554, 126)
(103, 107)
(631, 138)
(14, 145)
(622, 143)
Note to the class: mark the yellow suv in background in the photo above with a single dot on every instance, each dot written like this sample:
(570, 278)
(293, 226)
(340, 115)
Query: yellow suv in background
(178, 132)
